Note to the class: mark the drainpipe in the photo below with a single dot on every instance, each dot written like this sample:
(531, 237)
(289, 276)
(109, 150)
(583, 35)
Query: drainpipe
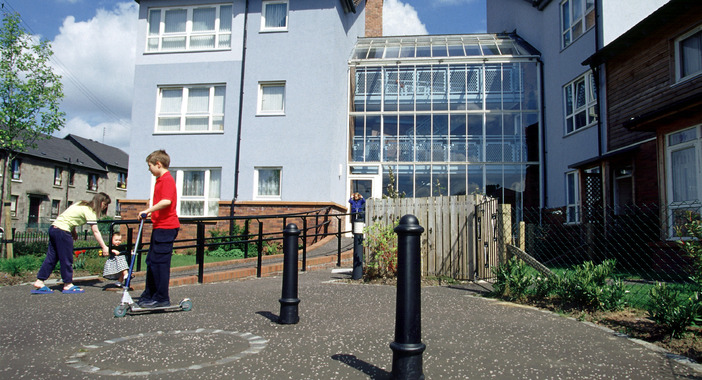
(544, 179)
(241, 106)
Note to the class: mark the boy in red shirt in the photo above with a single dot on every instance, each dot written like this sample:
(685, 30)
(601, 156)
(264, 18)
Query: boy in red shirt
(165, 230)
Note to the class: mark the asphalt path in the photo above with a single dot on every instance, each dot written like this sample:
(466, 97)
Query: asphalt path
(344, 332)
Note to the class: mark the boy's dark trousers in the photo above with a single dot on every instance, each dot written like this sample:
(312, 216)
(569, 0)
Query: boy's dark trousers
(158, 265)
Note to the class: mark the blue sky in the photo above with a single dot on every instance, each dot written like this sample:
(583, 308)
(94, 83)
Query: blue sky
(93, 43)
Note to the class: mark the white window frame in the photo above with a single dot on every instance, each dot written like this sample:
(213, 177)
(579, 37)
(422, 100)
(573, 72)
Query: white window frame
(577, 23)
(261, 87)
(256, 193)
(122, 180)
(97, 181)
(16, 170)
(215, 122)
(13, 205)
(58, 175)
(155, 35)
(55, 211)
(207, 198)
(679, 55)
(674, 206)
(589, 109)
(572, 197)
(264, 11)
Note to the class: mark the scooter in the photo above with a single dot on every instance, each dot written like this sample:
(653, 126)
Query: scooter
(128, 306)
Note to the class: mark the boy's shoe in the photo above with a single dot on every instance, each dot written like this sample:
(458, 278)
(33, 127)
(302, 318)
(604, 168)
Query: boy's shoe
(153, 303)
(118, 284)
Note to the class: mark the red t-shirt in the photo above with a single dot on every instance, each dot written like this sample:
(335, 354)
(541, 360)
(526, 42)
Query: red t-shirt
(165, 189)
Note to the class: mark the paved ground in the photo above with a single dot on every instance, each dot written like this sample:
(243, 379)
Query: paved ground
(344, 333)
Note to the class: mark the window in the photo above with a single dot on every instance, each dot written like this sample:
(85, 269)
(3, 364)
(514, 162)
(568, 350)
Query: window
(55, 204)
(274, 16)
(122, 180)
(193, 109)
(118, 209)
(189, 28)
(58, 176)
(15, 172)
(271, 98)
(13, 205)
(580, 103)
(267, 182)
(683, 177)
(572, 197)
(577, 17)
(688, 55)
(92, 182)
(71, 177)
(198, 191)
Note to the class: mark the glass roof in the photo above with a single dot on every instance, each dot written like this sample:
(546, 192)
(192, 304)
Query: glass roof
(440, 46)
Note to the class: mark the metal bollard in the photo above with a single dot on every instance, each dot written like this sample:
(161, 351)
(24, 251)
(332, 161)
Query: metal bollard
(408, 347)
(357, 250)
(289, 300)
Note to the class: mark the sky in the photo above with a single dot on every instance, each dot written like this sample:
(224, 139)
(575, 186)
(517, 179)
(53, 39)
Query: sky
(94, 47)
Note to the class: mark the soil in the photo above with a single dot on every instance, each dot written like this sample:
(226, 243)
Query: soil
(632, 322)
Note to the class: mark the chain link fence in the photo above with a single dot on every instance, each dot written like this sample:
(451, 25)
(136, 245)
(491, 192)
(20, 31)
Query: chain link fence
(642, 239)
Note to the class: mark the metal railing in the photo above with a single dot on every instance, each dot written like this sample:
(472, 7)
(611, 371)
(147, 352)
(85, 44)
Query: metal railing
(257, 231)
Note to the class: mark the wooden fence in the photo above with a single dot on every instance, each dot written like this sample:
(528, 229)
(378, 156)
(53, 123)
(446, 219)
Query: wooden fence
(461, 239)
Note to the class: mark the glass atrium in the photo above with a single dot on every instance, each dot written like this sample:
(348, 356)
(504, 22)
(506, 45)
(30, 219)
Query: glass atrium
(448, 115)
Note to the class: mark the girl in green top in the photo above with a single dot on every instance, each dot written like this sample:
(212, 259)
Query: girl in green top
(62, 233)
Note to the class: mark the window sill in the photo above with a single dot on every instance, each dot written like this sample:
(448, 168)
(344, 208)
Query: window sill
(579, 130)
(187, 51)
(270, 114)
(122, 188)
(190, 133)
(280, 30)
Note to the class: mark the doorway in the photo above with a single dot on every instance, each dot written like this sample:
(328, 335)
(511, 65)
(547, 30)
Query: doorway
(33, 215)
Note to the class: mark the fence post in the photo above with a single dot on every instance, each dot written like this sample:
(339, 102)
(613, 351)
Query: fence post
(200, 252)
(289, 300)
(408, 347)
(338, 242)
(260, 249)
(357, 272)
(304, 243)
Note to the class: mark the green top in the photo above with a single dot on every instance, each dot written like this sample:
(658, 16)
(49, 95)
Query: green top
(75, 215)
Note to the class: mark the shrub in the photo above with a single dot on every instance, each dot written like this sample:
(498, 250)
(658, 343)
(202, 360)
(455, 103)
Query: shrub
(512, 279)
(673, 311)
(381, 241)
(586, 286)
(19, 265)
(36, 248)
(693, 247)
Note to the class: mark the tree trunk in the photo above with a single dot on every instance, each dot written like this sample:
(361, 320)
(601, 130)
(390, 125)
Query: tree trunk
(8, 252)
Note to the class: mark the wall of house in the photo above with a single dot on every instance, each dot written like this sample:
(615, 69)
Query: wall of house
(308, 142)
(641, 79)
(621, 15)
(542, 30)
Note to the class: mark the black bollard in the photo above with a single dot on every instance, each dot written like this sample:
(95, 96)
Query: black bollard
(289, 300)
(408, 347)
(357, 250)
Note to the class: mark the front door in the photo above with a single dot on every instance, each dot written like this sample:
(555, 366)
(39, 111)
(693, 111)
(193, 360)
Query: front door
(34, 207)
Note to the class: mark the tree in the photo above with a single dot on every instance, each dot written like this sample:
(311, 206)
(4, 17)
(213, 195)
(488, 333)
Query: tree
(30, 93)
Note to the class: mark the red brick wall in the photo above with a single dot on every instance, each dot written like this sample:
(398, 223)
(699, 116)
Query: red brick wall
(374, 18)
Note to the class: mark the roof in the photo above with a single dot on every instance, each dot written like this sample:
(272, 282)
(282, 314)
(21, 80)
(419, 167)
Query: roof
(105, 155)
(408, 49)
(662, 16)
(62, 151)
(538, 4)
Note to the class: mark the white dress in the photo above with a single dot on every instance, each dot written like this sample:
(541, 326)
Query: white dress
(114, 265)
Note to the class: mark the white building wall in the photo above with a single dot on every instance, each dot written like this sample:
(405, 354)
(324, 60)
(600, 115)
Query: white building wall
(308, 142)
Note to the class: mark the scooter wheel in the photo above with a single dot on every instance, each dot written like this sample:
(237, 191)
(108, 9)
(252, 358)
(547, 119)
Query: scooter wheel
(121, 311)
(186, 305)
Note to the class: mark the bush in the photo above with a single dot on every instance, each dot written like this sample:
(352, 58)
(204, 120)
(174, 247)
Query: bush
(20, 264)
(381, 241)
(36, 248)
(586, 287)
(693, 247)
(671, 310)
(512, 279)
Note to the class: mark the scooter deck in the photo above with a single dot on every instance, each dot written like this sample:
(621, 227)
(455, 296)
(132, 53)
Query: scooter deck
(133, 308)
(136, 309)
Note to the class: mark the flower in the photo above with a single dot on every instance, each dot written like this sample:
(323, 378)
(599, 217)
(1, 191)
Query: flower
(78, 253)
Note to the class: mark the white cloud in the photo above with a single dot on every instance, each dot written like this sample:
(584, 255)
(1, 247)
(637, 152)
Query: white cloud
(96, 60)
(401, 19)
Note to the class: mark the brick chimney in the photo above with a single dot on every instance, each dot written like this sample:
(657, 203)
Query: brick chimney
(374, 18)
